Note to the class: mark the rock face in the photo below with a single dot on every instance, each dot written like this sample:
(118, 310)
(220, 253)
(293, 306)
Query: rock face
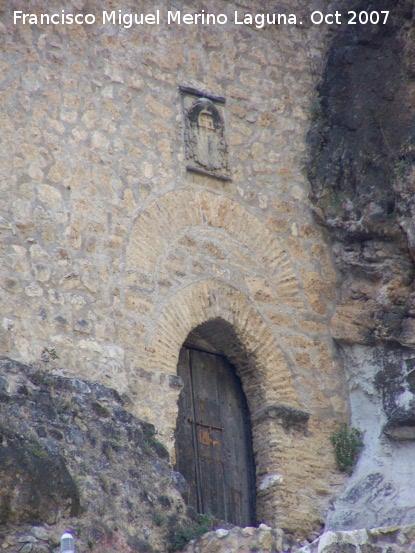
(34, 488)
(361, 172)
(72, 457)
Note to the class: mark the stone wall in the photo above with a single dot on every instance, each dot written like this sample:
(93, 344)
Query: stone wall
(112, 252)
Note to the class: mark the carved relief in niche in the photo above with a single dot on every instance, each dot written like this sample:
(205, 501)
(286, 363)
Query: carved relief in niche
(205, 140)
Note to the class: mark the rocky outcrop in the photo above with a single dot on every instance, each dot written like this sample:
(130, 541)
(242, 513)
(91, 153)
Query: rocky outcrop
(73, 457)
(362, 147)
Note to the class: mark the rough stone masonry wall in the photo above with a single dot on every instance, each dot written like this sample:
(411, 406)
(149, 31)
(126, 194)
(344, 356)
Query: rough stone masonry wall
(112, 253)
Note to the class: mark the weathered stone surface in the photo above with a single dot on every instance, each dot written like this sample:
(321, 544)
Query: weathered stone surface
(36, 486)
(362, 179)
(72, 457)
(357, 185)
(40, 533)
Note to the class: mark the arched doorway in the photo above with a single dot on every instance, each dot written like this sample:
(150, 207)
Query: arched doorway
(213, 435)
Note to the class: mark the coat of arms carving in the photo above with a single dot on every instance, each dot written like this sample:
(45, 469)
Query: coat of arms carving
(205, 140)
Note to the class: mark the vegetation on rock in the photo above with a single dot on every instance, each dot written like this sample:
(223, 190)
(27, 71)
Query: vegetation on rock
(347, 444)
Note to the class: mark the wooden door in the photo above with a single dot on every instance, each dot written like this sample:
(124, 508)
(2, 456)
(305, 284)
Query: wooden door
(213, 438)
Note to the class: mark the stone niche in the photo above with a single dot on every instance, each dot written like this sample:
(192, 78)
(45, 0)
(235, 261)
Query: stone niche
(204, 136)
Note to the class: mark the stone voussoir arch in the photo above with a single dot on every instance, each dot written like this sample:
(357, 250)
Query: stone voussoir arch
(210, 300)
(168, 216)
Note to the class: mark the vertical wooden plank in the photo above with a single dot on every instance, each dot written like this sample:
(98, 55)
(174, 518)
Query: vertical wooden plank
(238, 456)
(186, 453)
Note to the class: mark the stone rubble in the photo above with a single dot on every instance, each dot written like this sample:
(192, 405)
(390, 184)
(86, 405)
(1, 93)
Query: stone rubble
(264, 539)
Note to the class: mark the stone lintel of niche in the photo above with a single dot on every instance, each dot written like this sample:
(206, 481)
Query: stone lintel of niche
(200, 94)
(289, 416)
(208, 174)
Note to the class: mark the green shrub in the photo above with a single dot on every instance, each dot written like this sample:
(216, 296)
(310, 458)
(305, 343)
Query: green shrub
(159, 519)
(180, 535)
(347, 443)
(151, 444)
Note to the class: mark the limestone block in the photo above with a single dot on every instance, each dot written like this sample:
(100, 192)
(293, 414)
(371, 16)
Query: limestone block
(41, 272)
(317, 305)
(352, 323)
(82, 326)
(69, 116)
(22, 214)
(50, 196)
(278, 224)
(33, 290)
(260, 289)
(12, 285)
(5, 224)
(105, 330)
(270, 480)
(140, 305)
(91, 284)
(90, 345)
(74, 236)
(35, 172)
(100, 141)
(115, 243)
(48, 231)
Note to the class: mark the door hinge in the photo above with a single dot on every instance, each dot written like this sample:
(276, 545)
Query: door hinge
(205, 425)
